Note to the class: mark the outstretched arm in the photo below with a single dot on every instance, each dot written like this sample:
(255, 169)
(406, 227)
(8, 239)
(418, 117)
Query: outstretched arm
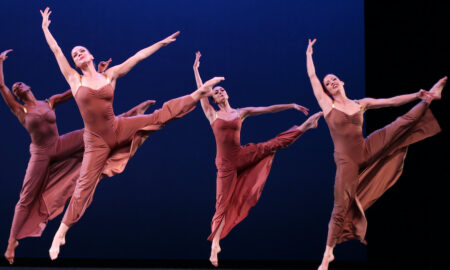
(372, 103)
(71, 76)
(252, 111)
(122, 69)
(322, 98)
(13, 105)
(208, 109)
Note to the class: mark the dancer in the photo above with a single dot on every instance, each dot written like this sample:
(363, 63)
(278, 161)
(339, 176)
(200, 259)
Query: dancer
(366, 167)
(241, 170)
(55, 160)
(109, 141)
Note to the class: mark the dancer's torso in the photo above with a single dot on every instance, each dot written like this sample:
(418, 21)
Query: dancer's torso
(346, 132)
(40, 122)
(96, 108)
(228, 139)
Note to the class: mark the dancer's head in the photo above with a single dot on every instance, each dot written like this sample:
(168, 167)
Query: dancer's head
(333, 85)
(21, 90)
(81, 56)
(219, 95)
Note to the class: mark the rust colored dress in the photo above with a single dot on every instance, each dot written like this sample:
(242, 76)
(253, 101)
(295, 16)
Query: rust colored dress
(111, 141)
(50, 177)
(241, 171)
(367, 167)
(52, 171)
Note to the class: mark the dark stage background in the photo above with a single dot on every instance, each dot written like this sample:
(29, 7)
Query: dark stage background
(160, 207)
(407, 48)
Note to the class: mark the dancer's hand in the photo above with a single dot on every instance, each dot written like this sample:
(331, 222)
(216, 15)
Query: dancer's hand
(212, 82)
(425, 95)
(209, 85)
(309, 50)
(301, 108)
(170, 39)
(103, 65)
(197, 60)
(45, 17)
(150, 102)
(4, 55)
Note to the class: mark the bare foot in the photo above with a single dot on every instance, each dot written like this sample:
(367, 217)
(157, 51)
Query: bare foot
(215, 249)
(9, 253)
(311, 122)
(326, 261)
(331, 258)
(54, 249)
(436, 90)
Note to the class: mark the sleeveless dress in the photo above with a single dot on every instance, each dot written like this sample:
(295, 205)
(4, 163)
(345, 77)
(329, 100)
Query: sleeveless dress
(242, 171)
(52, 171)
(50, 177)
(367, 167)
(111, 141)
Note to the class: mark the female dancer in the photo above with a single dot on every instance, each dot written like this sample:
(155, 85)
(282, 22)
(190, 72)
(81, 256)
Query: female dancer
(366, 167)
(108, 140)
(241, 170)
(55, 160)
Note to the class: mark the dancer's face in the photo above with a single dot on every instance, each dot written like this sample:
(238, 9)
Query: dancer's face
(81, 56)
(332, 84)
(219, 94)
(20, 90)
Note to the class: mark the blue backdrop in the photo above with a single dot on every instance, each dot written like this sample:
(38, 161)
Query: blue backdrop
(161, 206)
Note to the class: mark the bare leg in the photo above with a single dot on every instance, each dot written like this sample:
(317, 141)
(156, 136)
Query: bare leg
(58, 240)
(206, 89)
(215, 247)
(311, 122)
(328, 257)
(436, 90)
(9, 253)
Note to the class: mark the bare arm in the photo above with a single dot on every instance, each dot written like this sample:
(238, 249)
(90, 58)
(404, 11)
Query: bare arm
(71, 76)
(13, 105)
(252, 111)
(372, 103)
(122, 69)
(208, 109)
(58, 99)
(322, 98)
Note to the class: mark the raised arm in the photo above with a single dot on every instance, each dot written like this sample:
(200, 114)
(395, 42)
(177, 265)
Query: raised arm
(70, 74)
(322, 98)
(13, 105)
(122, 69)
(372, 103)
(252, 111)
(208, 109)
